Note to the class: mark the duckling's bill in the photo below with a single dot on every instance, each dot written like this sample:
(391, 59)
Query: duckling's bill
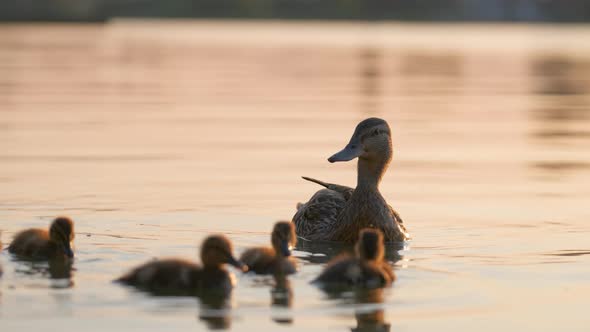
(68, 250)
(285, 248)
(237, 264)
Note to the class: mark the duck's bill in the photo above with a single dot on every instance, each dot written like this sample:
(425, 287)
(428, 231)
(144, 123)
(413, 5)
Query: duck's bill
(69, 251)
(237, 264)
(348, 153)
(285, 250)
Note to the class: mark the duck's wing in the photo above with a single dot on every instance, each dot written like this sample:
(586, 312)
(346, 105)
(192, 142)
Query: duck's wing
(400, 223)
(396, 216)
(315, 219)
(258, 260)
(342, 271)
(32, 243)
(162, 275)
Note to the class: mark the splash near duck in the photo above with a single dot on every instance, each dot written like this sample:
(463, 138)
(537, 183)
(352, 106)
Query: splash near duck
(40, 244)
(338, 213)
(180, 277)
(276, 259)
(367, 269)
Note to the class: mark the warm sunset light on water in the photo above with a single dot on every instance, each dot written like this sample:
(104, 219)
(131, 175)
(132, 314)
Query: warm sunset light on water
(152, 135)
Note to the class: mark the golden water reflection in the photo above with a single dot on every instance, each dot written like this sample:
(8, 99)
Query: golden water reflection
(215, 311)
(281, 296)
(152, 135)
(370, 318)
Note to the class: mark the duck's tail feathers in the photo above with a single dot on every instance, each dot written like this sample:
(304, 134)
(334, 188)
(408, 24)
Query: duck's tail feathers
(321, 183)
(344, 190)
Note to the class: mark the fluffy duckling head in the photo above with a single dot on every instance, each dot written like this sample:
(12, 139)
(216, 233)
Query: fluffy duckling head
(61, 232)
(371, 140)
(217, 250)
(370, 245)
(283, 238)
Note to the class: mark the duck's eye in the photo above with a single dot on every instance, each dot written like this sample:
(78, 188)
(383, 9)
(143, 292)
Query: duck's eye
(375, 132)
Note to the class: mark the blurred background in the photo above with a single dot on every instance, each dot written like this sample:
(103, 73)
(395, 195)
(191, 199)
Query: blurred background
(154, 123)
(412, 10)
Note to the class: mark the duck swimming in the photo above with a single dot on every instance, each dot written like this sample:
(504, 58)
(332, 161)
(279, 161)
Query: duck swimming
(367, 270)
(180, 277)
(338, 213)
(275, 259)
(40, 244)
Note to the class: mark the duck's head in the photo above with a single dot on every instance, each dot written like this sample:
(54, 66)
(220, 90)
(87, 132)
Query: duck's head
(61, 232)
(283, 238)
(371, 140)
(217, 250)
(369, 246)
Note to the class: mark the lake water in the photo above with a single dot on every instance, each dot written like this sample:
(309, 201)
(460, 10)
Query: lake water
(151, 135)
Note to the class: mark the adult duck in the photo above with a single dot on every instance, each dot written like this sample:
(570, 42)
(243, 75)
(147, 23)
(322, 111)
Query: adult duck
(338, 213)
(175, 276)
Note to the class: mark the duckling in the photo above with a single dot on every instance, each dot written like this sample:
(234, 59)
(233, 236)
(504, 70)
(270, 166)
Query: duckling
(40, 244)
(275, 259)
(366, 270)
(338, 213)
(180, 277)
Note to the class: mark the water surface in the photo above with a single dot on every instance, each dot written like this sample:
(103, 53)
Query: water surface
(152, 135)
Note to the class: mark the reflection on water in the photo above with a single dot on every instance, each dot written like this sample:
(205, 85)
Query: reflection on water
(0, 251)
(562, 116)
(324, 251)
(58, 270)
(215, 311)
(370, 60)
(154, 134)
(61, 269)
(560, 75)
(370, 314)
(281, 296)
(430, 65)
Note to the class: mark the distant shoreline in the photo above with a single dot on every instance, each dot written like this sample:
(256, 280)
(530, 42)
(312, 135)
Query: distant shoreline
(525, 11)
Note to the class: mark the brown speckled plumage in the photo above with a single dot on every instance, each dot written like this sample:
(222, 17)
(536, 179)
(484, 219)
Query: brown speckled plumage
(337, 213)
